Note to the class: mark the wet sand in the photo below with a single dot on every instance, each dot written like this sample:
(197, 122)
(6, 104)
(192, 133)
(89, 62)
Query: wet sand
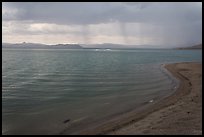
(180, 113)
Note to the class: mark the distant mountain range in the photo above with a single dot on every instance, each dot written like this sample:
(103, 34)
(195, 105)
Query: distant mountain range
(73, 46)
(118, 46)
(199, 46)
(104, 45)
(37, 45)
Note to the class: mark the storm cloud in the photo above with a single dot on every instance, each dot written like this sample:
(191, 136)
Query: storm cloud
(136, 23)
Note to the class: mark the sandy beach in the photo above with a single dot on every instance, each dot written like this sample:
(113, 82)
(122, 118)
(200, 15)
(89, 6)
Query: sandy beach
(180, 113)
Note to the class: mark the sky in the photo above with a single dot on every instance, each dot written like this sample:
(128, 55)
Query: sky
(164, 24)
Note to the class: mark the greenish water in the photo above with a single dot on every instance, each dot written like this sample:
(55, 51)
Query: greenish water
(42, 88)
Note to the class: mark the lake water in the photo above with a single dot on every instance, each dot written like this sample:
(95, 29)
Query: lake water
(51, 91)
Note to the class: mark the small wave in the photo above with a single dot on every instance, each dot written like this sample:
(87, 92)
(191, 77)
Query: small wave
(82, 118)
(9, 97)
(151, 101)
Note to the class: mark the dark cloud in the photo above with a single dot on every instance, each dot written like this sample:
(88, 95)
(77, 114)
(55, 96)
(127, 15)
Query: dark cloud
(61, 13)
(91, 13)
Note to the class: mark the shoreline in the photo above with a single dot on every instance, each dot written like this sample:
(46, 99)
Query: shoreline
(175, 114)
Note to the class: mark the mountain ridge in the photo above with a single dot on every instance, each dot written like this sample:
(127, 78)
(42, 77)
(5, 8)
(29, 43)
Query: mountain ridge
(197, 46)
